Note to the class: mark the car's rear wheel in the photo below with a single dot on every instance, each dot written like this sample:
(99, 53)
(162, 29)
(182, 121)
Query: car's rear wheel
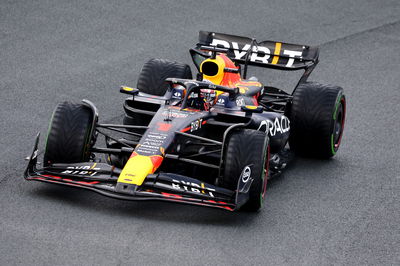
(317, 117)
(70, 134)
(247, 148)
(151, 81)
(155, 71)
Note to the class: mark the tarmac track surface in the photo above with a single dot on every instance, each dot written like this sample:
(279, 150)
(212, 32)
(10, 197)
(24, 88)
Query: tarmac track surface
(341, 211)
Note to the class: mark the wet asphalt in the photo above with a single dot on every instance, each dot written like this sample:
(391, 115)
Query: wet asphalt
(343, 211)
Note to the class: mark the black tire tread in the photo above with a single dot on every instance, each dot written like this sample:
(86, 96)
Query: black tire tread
(155, 71)
(311, 119)
(245, 147)
(151, 81)
(68, 140)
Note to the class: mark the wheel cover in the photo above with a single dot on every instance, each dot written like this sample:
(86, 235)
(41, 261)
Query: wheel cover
(264, 175)
(339, 119)
(265, 172)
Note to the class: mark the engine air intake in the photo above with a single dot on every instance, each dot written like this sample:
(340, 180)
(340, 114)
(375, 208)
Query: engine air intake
(210, 68)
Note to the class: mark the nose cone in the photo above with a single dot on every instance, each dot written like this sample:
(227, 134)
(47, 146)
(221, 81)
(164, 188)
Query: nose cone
(138, 168)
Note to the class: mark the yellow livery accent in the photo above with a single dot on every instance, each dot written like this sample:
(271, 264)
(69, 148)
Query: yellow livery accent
(136, 170)
(242, 89)
(220, 64)
(126, 88)
(218, 93)
(276, 53)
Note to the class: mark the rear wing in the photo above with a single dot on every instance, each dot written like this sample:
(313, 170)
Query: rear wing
(244, 50)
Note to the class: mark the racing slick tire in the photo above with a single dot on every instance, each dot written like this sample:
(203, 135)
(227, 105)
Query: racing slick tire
(317, 116)
(155, 71)
(151, 81)
(245, 148)
(69, 134)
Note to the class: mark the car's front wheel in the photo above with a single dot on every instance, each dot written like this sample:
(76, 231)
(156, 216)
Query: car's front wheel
(70, 134)
(247, 152)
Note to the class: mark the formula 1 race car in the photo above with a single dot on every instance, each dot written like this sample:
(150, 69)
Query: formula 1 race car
(213, 141)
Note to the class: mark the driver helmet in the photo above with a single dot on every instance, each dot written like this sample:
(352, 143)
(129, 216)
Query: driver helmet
(202, 100)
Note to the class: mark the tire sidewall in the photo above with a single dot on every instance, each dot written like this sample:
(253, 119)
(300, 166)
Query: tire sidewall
(340, 101)
(64, 145)
(245, 153)
(313, 116)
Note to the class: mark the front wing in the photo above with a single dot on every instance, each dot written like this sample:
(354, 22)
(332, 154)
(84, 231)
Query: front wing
(102, 178)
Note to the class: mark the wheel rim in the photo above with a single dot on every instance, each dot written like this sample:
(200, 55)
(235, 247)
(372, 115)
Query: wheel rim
(338, 125)
(265, 173)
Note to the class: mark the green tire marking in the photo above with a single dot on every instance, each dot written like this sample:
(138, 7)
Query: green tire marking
(261, 200)
(336, 106)
(263, 176)
(332, 145)
(87, 140)
(49, 128)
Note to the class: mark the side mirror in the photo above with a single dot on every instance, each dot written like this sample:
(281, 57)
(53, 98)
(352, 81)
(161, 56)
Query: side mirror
(252, 108)
(128, 90)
